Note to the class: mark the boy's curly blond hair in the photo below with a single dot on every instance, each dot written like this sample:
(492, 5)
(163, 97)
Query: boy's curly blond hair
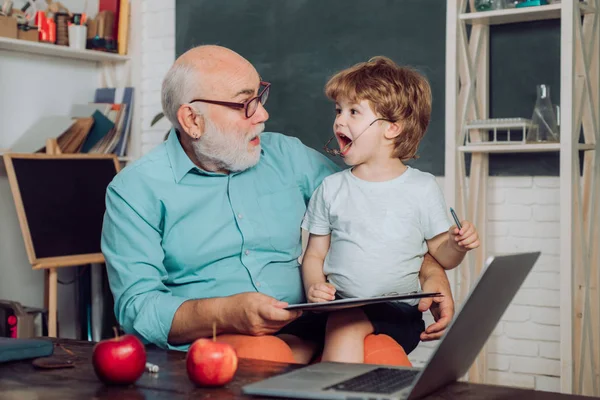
(399, 94)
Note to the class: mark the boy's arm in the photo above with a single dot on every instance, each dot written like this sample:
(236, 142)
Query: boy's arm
(449, 248)
(316, 220)
(442, 250)
(436, 226)
(313, 278)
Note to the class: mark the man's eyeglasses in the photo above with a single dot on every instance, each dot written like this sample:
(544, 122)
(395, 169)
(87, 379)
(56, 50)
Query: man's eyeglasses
(250, 106)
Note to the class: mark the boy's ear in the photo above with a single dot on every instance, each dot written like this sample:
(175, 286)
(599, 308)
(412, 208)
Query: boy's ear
(393, 131)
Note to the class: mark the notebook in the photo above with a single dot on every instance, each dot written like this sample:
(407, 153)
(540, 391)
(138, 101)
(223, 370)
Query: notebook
(21, 349)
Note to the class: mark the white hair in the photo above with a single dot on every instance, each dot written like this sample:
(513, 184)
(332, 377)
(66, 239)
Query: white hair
(178, 88)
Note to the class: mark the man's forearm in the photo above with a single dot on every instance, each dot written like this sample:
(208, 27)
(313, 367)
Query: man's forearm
(194, 319)
(433, 279)
(430, 268)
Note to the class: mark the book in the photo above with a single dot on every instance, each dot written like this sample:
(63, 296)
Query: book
(102, 126)
(358, 301)
(122, 95)
(71, 141)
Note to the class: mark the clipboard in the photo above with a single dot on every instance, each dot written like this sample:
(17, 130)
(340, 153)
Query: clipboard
(359, 301)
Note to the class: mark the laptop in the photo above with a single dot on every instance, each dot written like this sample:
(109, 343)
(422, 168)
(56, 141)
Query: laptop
(489, 297)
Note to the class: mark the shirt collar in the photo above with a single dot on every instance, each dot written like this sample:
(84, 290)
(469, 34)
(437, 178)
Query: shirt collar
(180, 162)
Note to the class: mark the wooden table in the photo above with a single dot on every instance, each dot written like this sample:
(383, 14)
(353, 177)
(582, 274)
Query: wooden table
(21, 380)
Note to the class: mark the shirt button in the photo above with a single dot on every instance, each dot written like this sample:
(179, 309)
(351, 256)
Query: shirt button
(240, 216)
(247, 252)
(257, 284)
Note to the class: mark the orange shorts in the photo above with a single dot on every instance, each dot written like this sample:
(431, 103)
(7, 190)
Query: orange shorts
(379, 349)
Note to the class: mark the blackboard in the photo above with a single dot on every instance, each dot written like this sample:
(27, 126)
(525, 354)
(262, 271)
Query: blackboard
(298, 44)
(61, 199)
(521, 57)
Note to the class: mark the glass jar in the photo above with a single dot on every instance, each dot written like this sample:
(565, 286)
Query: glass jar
(489, 5)
(544, 121)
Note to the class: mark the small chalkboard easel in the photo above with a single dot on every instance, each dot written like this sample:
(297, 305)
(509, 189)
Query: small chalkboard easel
(59, 200)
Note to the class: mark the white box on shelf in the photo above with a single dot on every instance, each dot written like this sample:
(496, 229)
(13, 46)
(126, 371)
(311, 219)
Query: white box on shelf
(497, 131)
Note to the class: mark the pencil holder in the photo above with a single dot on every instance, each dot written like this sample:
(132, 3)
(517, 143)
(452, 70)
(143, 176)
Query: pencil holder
(77, 36)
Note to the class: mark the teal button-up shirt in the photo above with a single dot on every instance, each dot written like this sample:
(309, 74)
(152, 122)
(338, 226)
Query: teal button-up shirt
(173, 232)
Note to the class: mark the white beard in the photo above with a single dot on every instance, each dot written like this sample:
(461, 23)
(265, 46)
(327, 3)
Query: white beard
(228, 151)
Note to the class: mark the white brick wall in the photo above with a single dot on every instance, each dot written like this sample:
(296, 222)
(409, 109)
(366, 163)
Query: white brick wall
(524, 350)
(523, 215)
(528, 208)
(158, 53)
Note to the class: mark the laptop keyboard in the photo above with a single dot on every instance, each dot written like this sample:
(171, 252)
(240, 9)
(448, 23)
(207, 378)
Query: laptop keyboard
(379, 380)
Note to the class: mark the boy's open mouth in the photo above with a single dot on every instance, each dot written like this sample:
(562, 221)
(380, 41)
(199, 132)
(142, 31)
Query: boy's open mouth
(344, 142)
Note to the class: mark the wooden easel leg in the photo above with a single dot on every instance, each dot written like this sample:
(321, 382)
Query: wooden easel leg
(46, 288)
(52, 301)
(52, 277)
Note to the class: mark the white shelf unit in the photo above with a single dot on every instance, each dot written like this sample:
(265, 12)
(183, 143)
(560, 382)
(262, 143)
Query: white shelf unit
(123, 159)
(111, 64)
(25, 46)
(520, 148)
(76, 67)
(467, 99)
(514, 15)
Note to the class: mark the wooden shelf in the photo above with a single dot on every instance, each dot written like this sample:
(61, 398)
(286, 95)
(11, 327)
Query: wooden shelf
(519, 148)
(513, 15)
(121, 158)
(53, 50)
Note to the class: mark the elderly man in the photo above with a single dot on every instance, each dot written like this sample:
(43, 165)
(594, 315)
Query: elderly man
(206, 228)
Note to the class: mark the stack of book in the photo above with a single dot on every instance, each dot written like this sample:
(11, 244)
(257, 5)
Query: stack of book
(102, 126)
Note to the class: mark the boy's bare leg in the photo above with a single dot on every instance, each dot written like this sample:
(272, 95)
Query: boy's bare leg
(345, 336)
(302, 350)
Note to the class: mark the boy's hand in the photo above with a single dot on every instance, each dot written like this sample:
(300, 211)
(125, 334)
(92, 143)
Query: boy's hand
(320, 293)
(464, 239)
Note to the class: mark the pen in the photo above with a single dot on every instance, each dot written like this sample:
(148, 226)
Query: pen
(151, 368)
(455, 218)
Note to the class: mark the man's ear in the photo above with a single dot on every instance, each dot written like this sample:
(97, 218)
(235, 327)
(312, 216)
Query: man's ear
(393, 130)
(191, 122)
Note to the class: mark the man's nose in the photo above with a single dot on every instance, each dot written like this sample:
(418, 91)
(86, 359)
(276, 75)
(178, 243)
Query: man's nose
(261, 115)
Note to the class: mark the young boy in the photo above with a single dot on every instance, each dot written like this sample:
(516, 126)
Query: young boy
(370, 225)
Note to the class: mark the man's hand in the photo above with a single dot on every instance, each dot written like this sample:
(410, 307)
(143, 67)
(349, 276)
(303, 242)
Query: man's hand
(434, 279)
(256, 314)
(244, 313)
(320, 293)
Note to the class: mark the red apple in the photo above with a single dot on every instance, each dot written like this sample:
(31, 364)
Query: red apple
(120, 360)
(210, 363)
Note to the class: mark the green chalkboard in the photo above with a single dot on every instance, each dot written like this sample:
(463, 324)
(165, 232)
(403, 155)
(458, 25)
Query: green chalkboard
(298, 44)
(522, 56)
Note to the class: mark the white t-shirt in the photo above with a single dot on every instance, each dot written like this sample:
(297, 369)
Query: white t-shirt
(378, 230)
